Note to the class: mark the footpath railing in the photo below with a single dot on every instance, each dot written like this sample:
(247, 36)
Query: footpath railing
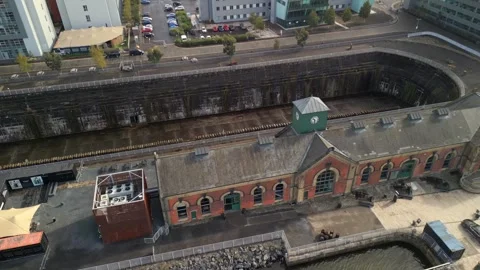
(178, 254)
(446, 39)
(164, 230)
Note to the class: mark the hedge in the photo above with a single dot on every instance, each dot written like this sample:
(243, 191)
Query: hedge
(183, 20)
(211, 41)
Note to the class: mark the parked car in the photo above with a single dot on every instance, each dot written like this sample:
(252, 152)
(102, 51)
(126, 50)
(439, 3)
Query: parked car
(146, 22)
(192, 32)
(146, 30)
(232, 27)
(202, 37)
(225, 28)
(145, 2)
(180, 8)
(112, 53)
(148, 26)
(146, 14)
(209, 36)
(215, 29)
(172, 25)
(176, 4)
(242, 26)
(220, 28)
(146, 18)
(472, 227)
(183, 37)
(170, 9)
(168, 6)
(148, 35)
(171, 15)
(204, 30)
(136, 52)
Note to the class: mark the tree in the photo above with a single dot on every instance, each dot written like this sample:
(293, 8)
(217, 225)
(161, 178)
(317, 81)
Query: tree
(347, 15)
(53, 61)
(136, 12)
(127, 11)
(365, 10)
(313, 19)
(98, 56)
(24, 64)
(154, 54)
(276, 44)
(330, 16)
(229, 45)
(301, 36)
(256, 21)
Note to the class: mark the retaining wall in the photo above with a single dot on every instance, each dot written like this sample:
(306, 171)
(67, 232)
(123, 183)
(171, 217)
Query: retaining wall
(65, 109)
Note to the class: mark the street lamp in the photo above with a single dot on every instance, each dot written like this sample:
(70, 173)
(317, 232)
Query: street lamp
(418, 21)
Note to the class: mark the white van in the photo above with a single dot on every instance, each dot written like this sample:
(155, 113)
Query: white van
(183, 37)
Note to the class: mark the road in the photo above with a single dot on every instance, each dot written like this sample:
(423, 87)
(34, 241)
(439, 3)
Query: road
(205, 61)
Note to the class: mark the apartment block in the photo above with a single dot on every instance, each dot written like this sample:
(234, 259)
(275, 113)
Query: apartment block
(459, 16)
(90, 13)
(25, 27)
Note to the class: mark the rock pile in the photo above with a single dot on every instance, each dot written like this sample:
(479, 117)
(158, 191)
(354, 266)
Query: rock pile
(242, 258)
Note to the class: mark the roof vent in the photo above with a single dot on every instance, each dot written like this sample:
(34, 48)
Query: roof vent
(415, 116)
(386, 121)
(265, 140)
(358, 125)
(442, 112)
(201, 151)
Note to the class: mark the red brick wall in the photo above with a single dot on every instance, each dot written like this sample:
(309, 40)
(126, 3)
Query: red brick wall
(216, 208)
(54, 12)
(419, 169)
(335, 163)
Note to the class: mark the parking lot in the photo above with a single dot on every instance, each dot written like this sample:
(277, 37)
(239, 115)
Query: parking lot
(159, 23)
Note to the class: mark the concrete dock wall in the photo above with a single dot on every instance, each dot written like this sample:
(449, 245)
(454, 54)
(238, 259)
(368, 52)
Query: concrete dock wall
(66, 109)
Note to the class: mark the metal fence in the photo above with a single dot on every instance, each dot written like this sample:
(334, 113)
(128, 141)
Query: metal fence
(178, 254)
(163, 230)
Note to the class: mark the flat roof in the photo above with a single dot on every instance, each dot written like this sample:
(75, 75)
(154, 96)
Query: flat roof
(40, 169)
(87, 37)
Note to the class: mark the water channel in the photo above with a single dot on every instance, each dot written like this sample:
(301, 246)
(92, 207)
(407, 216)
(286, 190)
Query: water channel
(392, 256)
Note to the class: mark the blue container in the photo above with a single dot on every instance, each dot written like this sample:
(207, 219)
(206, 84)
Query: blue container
(449, 244)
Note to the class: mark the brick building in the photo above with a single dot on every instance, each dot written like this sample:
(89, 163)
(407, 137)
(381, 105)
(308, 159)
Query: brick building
(315, 157)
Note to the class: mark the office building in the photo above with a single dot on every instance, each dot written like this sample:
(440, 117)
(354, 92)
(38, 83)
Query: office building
(25, 27)
(293, 13)
(231, 10)
(90, 13)
(459, 16)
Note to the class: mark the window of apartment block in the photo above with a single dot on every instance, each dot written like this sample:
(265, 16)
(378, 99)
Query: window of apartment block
(3, 44)
(218, 8)
(238, 6)
(18, 42)
(87, 17)
(85, 8)
(224, 8)
(224, 17)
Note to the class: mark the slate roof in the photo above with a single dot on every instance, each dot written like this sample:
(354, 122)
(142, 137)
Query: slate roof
(185, 172)
(406, 135)
(310, 105)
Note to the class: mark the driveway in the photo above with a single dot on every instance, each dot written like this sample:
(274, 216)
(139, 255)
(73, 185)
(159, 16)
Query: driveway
(160, 27)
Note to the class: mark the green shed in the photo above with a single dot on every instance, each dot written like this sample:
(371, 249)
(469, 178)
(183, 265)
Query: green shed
(309, 114)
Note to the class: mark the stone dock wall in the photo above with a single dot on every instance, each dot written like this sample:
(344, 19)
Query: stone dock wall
(81, 107)
(322, 250)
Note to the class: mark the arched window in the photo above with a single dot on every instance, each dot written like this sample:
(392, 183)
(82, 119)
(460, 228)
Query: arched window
(182, 212)
(257, 195)
(279, 192)
(205, 206)
(446, 161)
(429, 164)
(365, 175)
(325, 182)
(385, 171)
